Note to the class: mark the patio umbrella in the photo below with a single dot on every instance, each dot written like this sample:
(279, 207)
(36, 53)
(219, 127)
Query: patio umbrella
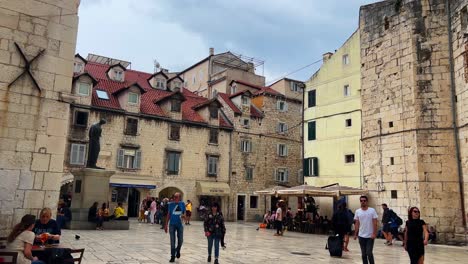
(302, 190)
(271, 190)
(344, 190)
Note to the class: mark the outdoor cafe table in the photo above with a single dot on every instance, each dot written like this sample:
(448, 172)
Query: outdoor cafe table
(44, 253)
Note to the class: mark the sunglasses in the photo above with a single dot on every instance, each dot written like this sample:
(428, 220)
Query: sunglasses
(416, 211)
(363, 201)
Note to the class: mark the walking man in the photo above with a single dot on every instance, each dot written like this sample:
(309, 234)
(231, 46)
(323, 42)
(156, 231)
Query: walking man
(176, 211)
(391, 222)
(366, 229)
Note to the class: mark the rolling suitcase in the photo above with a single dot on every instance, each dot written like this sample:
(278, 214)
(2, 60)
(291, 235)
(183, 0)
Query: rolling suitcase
(335, 246)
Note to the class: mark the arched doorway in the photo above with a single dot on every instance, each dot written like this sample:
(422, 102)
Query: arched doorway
(168, 192)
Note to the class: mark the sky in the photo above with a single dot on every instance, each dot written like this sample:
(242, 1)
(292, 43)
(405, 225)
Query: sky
(286, 34)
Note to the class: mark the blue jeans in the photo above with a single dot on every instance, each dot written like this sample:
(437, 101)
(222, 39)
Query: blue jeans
(367, 246)
(173, 228)
(215, 239)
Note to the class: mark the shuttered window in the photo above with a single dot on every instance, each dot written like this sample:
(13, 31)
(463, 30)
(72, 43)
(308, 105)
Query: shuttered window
(132, 126)
(77, 154)
(129, 159)
(311, 167)
(172, 162)
(311, 135)
(281, 175)
(311, 98)
(213, 166)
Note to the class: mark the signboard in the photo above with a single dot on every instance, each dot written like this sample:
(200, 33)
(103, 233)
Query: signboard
(124, 185)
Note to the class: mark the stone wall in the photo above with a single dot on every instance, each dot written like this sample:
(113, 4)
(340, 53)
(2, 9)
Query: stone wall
(407, 140)
(33, 124)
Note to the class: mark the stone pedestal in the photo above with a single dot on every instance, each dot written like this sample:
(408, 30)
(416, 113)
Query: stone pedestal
(90, 185)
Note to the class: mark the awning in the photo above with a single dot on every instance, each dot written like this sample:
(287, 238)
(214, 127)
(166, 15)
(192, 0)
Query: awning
(132, 183)
(271, 191)
(213, 188)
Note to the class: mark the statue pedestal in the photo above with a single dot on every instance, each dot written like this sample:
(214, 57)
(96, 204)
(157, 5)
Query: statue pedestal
(90, 185)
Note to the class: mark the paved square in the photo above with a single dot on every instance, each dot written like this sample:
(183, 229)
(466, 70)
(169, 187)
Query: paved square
(145, 243)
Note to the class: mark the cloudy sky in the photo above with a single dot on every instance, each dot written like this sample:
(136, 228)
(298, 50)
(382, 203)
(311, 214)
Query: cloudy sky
(286, 34)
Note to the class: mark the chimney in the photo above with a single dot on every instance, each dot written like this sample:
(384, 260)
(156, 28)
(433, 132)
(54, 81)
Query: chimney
(166, 71)
(211, 51)
(327, 56)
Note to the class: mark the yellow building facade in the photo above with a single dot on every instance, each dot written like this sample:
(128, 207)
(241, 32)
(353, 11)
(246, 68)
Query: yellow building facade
(332, 119)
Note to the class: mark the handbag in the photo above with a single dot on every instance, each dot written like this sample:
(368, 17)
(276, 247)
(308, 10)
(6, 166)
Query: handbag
(146, 212)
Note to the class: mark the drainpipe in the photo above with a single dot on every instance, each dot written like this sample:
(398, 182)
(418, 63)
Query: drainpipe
(302, 132)
(454, 114)
(230, 172)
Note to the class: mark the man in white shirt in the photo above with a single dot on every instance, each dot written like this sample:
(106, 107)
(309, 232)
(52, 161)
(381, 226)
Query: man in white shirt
(366, 229)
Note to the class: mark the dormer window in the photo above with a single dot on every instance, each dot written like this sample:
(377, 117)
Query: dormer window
(160, 83)
(84, 88)
(213, 111)
(133, 98)
(245, 101)
(175, 105)
(118, 75)
(176, 84)
(233, 89)
(78, 67)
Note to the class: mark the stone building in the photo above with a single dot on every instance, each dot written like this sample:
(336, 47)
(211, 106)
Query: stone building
(159, 137)
(266, 145)
(332, 122)
(34, 108)
(413, 113)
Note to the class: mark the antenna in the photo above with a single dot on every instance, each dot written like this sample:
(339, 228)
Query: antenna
(157, 66)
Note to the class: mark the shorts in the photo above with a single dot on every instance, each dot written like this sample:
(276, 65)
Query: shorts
(188, 213)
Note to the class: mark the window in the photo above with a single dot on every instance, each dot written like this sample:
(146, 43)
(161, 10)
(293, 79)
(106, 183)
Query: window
(311, 167)
(282, 128)
(132, 126)
(282, 150)
(118, 75)
(246, 146)
(175, 105)
(102, 94)
(160, 83)
(233, 89)
(312, 98)
(81, 118)
(349, 158)
(213, 111)
(345, 59)
(281, 175)
(194, 78)
(249, 173)
(311, 131)
(394, 194)
(174, 133)
(282, 106)
(253, 202)
(77, 154)
(78, 67)
(129, 159)
(213, 166)
(176, 84)
(300, 177)
(392, 161)
(173, 162)
(246, 122)
(133, 98)
(347, 90)
(84, 88)
(213, 136)
(390, 124)
(245, 101)
(348, 123)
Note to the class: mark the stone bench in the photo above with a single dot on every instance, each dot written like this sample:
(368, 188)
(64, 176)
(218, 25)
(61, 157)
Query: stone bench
(109, 225)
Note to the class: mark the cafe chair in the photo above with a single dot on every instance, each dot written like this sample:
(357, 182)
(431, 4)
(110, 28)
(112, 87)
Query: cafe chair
(3, 242)
(8, 257)
(79, 257)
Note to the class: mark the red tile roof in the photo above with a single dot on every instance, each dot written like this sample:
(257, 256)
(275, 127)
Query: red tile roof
(267, 90)
(148, 98)
(258, 87)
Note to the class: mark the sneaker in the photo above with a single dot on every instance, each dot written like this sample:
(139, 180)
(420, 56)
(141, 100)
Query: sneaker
(178, 255)
(216, 261)
(209, 259)
(172, 259)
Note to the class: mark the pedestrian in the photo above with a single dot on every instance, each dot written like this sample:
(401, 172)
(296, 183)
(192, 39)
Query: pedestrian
(164, 212)
(279, 219)
(366, 229)
(152, 210)
(341, 224)
(176, 211)
(416, 236)
(141, 217)
(148, 205)
(188, 214)
(214, 230)
(390, 224)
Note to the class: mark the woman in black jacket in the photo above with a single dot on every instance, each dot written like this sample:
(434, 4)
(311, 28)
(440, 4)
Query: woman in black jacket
(214, 230)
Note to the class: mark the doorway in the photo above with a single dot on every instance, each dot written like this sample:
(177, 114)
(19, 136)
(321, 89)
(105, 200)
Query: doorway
(133, 202)
(241, 207)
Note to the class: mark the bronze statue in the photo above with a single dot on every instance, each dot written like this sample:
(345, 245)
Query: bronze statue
(94, 145)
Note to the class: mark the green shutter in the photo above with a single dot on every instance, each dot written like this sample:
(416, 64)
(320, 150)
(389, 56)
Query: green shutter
(137, 160)
(311, 131)
(120, 158)
(316, 167)
(306, 169)
(312, 98)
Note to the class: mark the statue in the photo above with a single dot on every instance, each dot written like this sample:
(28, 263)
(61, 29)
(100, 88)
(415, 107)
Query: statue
(94, 145)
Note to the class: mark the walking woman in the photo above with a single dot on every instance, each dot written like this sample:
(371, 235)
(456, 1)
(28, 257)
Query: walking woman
(21, 240)
(416, 236)
(214, 230)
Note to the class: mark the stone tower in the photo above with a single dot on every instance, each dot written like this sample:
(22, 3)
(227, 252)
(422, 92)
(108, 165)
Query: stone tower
(34, 108)
(408, 143)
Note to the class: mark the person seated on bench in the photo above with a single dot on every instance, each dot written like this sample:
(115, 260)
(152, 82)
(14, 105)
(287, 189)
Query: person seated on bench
(45, 224)
(119, 213)
(21, 240)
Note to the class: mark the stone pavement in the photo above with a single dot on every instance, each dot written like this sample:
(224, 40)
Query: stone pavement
(145, 243)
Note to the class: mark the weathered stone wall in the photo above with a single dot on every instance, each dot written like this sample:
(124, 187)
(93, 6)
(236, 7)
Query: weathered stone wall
(33, 124)
(406, 115)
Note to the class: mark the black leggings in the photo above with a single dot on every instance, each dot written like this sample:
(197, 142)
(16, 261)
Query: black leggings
(279, 227)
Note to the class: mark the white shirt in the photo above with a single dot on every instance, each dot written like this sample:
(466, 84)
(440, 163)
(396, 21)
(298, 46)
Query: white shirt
(365, 218)
(279, 214)
(18, 245)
